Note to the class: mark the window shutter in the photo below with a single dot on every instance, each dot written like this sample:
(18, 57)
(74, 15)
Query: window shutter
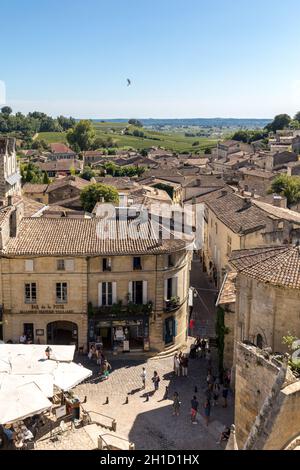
(130, 291)
(175, 286)
(114, 292)
(175, 326)
(164, 331)
(99, 294)
(145, 292)
(69, 263)
(166, 289)
(29, 265)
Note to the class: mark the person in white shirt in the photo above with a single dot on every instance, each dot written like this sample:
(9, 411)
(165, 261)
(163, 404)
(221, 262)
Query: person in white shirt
(23, 339)
(143, 376)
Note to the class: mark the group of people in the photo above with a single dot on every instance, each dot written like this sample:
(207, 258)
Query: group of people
(25, 339)
(181, 364)
(213, 387)
(102, 362)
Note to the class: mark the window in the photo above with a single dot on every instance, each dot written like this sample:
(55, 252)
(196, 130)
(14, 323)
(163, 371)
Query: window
(61, 293)
(107, 293)
(137, 264)
(229, 241)
(170, 261)
(29, 265)
(106, 264)
(137, 292)
(30, 293)
(171, 289)
(61, 265)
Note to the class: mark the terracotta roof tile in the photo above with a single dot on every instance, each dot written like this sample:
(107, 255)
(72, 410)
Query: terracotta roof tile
(277, 265)
(42, 236)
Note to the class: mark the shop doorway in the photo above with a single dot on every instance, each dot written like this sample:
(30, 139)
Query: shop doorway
(62, 332)
(169, 330)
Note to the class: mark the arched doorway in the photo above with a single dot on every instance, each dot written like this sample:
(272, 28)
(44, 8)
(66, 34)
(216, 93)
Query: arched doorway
(62, 332)
(259, 341)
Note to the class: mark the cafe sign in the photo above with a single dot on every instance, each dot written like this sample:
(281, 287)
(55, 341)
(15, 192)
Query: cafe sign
(48, 309)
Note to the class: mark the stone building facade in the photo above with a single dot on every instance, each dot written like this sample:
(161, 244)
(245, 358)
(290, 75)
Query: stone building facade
(10, 180)
(232, 222)
(83, 280)
(267, 295)
(267, 399)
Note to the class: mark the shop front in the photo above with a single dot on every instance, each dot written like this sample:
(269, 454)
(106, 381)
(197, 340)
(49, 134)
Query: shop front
(120, 334)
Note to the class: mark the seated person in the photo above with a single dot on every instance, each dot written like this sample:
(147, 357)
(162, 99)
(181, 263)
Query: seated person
(225, 435)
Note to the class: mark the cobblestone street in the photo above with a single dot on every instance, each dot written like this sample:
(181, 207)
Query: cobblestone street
(150, 424)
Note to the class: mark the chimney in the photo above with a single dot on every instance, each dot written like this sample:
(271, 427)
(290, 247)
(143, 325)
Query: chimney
(9, 200)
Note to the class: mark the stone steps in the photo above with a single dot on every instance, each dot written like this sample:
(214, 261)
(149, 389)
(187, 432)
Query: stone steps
(111, 440)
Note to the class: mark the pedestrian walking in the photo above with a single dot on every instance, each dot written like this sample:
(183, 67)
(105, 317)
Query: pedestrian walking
(106, 368)
(176, 365)
(194, 409)
(143, 376)
(209, 380)
(184, 365)
(156, 380)
(207, 408)
(180, 361)
(216, 393)
(202, 348)
(176, 404)
(225, 395)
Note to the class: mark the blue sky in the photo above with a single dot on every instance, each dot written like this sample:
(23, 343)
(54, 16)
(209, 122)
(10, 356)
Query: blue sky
(186, 58)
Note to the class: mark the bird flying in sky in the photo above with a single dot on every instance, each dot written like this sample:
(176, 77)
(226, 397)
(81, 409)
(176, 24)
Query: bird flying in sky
(128, 82)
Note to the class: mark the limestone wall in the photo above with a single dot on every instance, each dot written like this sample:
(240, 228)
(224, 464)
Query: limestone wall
(253, 382)
(266, 310)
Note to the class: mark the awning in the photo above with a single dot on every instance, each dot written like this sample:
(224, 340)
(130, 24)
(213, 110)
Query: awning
(67, 376)
(25, 400)
(34, 353)
(44, 382)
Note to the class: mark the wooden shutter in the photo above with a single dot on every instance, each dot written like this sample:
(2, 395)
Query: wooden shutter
(166, 290)
(69, 264)
(29, 265)
(99, 294)
(145, 292)
(114, 292)
(130, 291)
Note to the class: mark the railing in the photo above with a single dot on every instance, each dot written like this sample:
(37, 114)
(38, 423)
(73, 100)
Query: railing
(119, 309)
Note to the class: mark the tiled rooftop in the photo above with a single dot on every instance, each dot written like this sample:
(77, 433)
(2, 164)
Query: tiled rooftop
(42, 236)
(277, 265)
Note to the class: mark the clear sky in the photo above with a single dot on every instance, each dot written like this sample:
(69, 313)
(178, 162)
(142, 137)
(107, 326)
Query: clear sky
(186, 58)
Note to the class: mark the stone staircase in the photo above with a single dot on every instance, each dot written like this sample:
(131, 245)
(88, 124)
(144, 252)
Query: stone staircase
(107, 440)
(169, 351)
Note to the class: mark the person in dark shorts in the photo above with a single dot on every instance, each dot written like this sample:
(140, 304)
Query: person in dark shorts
(194, 409)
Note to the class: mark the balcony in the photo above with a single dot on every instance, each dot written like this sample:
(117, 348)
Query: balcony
(172, 304)
(119, 310)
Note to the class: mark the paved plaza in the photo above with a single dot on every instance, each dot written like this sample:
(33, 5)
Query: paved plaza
(149, 424)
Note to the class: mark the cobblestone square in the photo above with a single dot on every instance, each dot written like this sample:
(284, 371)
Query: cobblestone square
(149, 424)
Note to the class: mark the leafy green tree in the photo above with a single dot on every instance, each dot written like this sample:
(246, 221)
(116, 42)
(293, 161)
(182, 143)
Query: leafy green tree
(297, 116)
(288, 186)
(295, 124)
(196, 143)
(46, 179)
(87, 173)
(137, 133)
(207, 151)
(97, 192)
(135, 122)
(81, 136)
(66, 123)
(281, 121)
(6, 110)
